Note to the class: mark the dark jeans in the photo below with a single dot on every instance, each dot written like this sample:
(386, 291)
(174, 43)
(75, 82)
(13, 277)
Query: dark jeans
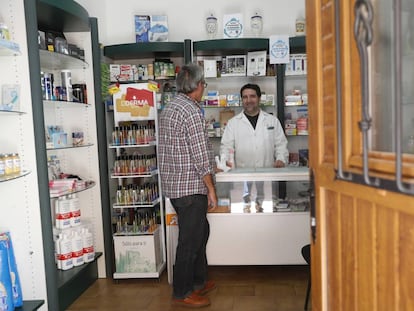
(190, 269)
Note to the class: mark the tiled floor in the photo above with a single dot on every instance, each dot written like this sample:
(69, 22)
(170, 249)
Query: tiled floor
(239, 288)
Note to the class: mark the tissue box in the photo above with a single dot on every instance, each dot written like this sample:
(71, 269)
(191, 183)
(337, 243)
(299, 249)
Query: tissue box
(10, 97)
(59, 140)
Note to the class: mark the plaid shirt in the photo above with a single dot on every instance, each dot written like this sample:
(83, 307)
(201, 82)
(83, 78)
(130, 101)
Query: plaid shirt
(185, 152)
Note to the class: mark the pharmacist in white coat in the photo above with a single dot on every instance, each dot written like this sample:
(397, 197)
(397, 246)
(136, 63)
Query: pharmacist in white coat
(257, 140)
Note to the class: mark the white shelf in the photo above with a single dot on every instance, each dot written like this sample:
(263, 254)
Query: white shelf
(264, 174)
(147, 174)
(152, 204)
(152, 143)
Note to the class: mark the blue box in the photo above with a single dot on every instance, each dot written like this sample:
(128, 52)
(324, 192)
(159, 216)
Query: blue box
(142, 26)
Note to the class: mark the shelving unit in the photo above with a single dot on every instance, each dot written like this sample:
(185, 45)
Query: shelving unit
(138, 234)
(141, 53)
(26, 207)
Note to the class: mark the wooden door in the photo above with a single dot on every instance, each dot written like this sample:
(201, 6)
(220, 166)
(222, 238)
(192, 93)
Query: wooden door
(363, 246)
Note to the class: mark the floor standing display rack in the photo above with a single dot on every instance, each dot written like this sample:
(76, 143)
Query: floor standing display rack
(138, 208)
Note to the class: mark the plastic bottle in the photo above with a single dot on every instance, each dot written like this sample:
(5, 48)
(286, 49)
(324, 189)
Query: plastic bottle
(75, 219)
(4, 32)
(88, 248)
(77, 249)
(62, 213)
(65, 255)
(57, 251)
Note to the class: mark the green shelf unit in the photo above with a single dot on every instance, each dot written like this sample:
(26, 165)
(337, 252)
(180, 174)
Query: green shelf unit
(72, 283)
(30, 305)
(144, 50)
(297, 44)
(62, 16)
(229, 46)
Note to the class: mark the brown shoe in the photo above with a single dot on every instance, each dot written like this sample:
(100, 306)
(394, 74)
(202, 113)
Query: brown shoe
(208, 287)
(192, 301)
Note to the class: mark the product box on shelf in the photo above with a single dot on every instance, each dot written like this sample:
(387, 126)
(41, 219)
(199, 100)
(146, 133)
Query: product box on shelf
(142, 26)
(138, 253)
(10, 97)
(159, 28)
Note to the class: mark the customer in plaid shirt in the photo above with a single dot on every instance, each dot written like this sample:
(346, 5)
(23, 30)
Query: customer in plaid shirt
(187, 178)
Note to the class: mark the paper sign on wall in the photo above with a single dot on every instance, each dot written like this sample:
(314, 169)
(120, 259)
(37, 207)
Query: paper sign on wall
(279, 49)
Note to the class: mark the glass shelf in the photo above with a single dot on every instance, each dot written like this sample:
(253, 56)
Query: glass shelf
(58, 61)
(152, 204)
(9, 48)
(152, 143)
(14, 176)
(89, 185)
(146, 174)
(65, 104)
(71, 147)
(11, 112)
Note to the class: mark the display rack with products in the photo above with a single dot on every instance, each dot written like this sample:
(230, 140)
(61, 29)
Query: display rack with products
(147, 54)
(138, 208)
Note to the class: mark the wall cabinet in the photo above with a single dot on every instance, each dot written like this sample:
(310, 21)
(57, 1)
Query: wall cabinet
(27, 205)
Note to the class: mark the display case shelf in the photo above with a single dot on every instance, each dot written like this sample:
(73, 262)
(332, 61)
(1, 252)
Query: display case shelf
(89, 185)
(11, 112)
(14, 176)
(152, 204)
(70, 147)
(147, 174)
(150, 144)
(9, 48)
(65, 104)
(58, 61)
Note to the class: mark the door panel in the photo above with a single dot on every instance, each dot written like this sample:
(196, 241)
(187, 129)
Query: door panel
(364, 247)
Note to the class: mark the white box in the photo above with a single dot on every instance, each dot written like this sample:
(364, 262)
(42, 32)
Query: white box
(10, 97)
(210, 68)
(138, 253)
(256, 63)
(235, 66)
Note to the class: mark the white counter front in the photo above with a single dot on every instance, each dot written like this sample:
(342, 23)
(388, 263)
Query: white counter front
(237, 237)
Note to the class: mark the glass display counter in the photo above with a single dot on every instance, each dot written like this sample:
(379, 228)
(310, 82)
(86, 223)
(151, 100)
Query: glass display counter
(269, 232)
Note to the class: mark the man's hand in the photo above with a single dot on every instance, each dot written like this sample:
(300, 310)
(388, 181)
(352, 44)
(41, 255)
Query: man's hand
(279, 163)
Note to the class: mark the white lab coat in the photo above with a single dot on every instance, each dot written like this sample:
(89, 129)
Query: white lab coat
(254, 148)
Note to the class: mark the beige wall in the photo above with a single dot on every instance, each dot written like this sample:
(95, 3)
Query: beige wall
(186, 19)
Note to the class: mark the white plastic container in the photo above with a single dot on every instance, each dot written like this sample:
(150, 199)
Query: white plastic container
(77, 249)
(88, 248)
(74, 205)
(65, 255)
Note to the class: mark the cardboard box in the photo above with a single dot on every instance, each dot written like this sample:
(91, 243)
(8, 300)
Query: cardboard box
(138, 253)
(10, 97)
(159, 28)
(142, 26)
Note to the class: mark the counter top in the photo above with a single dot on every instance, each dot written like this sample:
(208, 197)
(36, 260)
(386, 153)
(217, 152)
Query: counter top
(264, 174)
